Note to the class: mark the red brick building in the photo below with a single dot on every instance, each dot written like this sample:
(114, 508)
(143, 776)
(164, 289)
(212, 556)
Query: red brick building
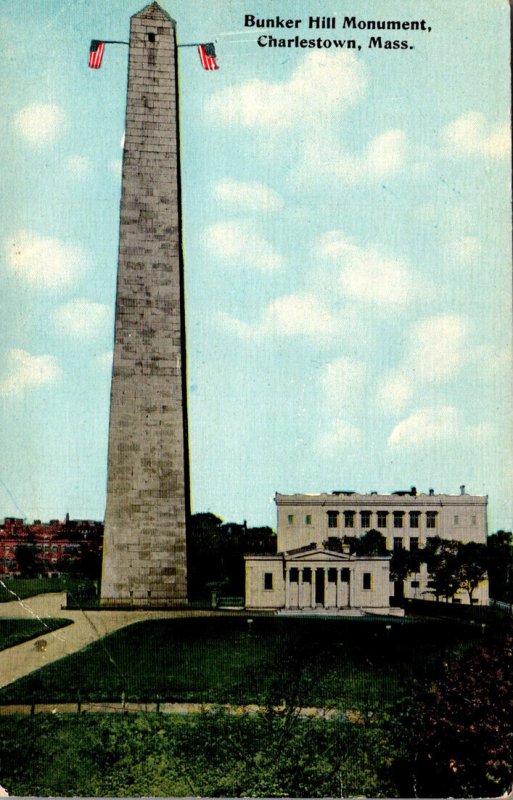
(50, 548)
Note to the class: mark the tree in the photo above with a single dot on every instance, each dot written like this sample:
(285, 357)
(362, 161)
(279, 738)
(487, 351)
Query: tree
(463, 746)
(403, 563)
(500, 566)
(472, 566)
(441, 557)
(372, 543)
(26, 558)
(216, 550)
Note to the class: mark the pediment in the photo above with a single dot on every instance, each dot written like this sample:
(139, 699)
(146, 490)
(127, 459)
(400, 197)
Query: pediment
(316, 554)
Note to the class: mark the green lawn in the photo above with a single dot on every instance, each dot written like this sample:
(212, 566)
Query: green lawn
(11, 588)
(16, 631)
(343, 663)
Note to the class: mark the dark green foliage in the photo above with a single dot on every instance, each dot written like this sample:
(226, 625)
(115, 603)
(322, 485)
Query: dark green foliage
(500, 566)
(344, 663)
(16, 631)
(26, 558)
(461, 730)
(372, 543)
(215, 553)
(441, 557)
(404, 562)
(207, 755)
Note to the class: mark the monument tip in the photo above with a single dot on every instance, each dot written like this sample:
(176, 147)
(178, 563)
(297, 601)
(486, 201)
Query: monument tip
(154, 10)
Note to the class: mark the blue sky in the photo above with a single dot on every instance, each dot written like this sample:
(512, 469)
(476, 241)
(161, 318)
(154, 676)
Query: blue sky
(347, 253)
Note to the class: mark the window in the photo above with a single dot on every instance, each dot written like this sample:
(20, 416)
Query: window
(474, 519)
(431, 519)
(294, 575)
(367, 578)
(398, 519)
(456, 519)
(349, 519)
(332, 575)
(415, 584)
(382, 519)
(365, 519)
(308, 519)
(307, 575)
(151, 37)
(456, 600)
(290, 519)
(414, 519)
(414, 544)
(398, 542)
(332, 519)
(344, 575)
(268, 581)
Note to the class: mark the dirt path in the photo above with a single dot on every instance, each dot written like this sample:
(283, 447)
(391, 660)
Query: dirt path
(87, 627)
(162, 708)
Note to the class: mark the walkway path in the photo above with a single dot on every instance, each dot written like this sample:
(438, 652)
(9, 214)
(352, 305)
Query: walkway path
(87, 627)
(166, 708)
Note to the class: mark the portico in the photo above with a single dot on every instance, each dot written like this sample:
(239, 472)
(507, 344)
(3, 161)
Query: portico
(314, 577)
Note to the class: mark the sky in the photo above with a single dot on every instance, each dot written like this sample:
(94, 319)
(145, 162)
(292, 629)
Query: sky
(347, 253)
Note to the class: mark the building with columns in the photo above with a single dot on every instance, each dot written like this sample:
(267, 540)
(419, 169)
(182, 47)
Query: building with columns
(314, 577)
(314, 569)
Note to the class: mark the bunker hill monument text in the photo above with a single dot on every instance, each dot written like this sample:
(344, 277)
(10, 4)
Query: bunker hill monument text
(144, 562)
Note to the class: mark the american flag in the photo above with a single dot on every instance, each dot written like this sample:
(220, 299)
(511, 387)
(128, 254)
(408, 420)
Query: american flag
(207, 54)
(96, 54)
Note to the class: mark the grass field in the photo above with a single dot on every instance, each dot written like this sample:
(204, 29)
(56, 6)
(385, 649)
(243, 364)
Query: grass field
(11, 588)
(16, 631)
(341, 663)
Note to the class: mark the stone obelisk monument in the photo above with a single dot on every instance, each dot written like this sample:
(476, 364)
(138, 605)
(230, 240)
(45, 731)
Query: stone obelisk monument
(144, 558)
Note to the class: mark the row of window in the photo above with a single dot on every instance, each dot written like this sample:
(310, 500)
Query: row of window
(307, 577)
(366, 519)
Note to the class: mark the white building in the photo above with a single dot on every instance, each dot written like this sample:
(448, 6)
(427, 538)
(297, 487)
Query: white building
(309, 571)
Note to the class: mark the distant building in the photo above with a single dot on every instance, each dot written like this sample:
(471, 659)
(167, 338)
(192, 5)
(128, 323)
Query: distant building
(309, 572)
(50, 548)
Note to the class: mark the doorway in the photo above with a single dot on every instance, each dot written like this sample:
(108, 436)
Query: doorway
(319, 587)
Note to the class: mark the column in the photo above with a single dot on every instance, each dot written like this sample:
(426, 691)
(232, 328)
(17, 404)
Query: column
(326, 585)
(300, 590)
(312, 587)
(350, 589)
(287, 587)
(338, 588)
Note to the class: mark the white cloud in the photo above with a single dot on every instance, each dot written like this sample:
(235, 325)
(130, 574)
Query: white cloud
(343, 384)
(40, 124)
(83, 318)
(437, 347)
(324, 158)
(251, 196)
(472, 134)
(395, 391)
(44, 262)
(425, 427)
(465, 248)
(366, 274)
(28, 372)
(323, 83)
(290, 315)
(238, 241)
(436, 351)
(340, 436)
(79, 165)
